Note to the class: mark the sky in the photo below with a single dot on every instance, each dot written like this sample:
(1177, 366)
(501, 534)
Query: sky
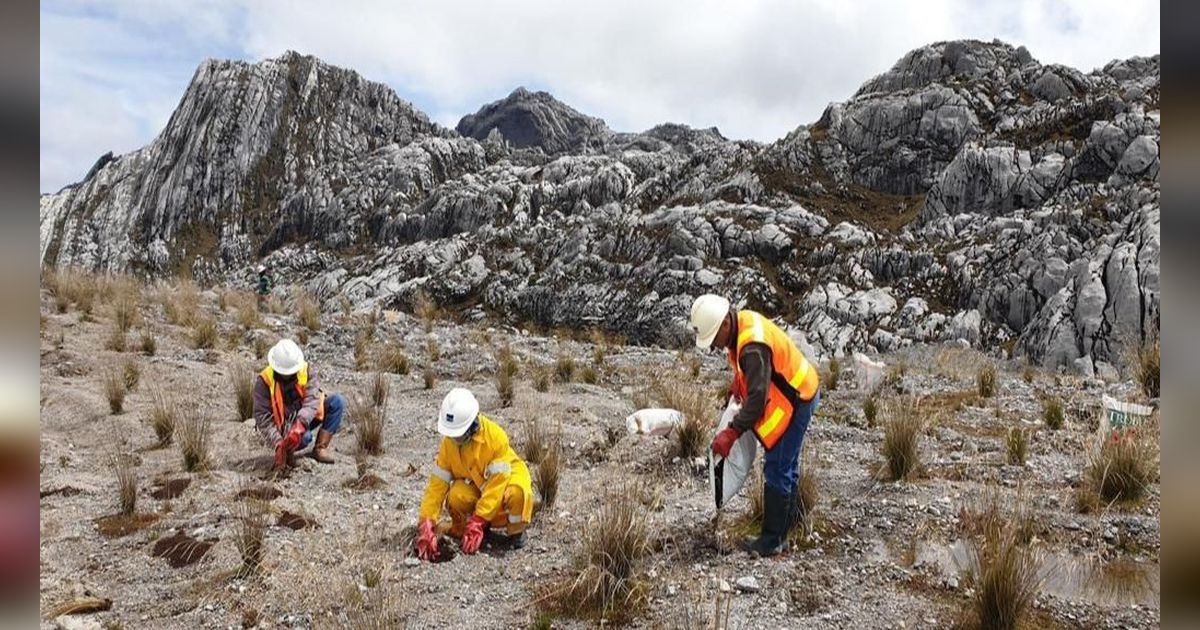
(112, 72)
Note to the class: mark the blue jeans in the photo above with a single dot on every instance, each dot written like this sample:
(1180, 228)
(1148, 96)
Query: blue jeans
(335, 406)
(781, 464)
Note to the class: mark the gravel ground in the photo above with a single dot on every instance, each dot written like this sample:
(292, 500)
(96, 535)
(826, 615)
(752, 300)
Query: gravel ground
(883, 555)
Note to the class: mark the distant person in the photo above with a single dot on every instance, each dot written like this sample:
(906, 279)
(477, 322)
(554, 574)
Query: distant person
(779, 390)
(263, 287)
(477, 477)
(289, 406)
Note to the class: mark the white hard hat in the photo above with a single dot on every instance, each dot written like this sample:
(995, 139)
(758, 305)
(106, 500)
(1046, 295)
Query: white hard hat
(708, 311)
(285, 357)
(459, 409)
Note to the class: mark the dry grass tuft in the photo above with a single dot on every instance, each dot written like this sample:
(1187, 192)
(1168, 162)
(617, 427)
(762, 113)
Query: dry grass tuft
(698, 409)
(302, 337)
(536, 442)
(368, 425)
(1122, 469)
(1052, 413)
(247, 316)
(308, 312)
(588, 375)
(546, 473)
(392, 359)
(1017, 443)
(114, 391)
(132, 373)
(901, 441)
(362, 347)
(426, 310)
(250, 515)
(599, 346)
(432, 350)
(381, 389)
(1006, 572)
(204, 332)
(194, 435)
(116, 341)
(506, 370)
(180, 303)
(870, 410)
(126, 474)
(1028, 373)
(126, 302)
(429, 376)
(606, 580)
(835, 374)
(261, 346)
(541, 379)
(241, 378)
(986, 381)
(163, 415)
(149, 343)
(1146, 371)
(564, 367)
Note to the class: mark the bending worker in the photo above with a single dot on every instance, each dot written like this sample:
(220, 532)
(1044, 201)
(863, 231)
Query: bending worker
(289, 406)
(779, 390)
(477, 476)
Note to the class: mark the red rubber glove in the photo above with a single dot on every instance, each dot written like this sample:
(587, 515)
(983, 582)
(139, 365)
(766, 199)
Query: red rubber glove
(291, 441)
(724, 441)
(473, 537)
(427, 544)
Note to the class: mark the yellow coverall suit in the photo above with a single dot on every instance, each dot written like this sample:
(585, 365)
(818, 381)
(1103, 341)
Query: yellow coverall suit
(485, 477)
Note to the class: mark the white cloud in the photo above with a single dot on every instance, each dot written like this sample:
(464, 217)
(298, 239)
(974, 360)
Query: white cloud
(755, 69)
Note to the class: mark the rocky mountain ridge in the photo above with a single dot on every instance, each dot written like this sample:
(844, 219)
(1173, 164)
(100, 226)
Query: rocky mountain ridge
(970, 192)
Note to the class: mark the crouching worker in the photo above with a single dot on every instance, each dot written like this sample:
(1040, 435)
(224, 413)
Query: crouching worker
(478, 478)
(289, 406)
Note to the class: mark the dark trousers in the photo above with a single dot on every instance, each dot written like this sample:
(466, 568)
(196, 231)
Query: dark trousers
(781, 465)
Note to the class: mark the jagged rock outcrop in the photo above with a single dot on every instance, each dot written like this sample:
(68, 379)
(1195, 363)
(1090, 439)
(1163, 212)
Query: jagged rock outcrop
(969, 193)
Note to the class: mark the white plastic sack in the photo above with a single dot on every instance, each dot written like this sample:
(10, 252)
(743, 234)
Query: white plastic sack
(868, 374)
(653, 421)
(727, 475)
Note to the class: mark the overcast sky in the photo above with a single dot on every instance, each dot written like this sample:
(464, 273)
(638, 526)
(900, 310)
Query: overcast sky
(112, 72)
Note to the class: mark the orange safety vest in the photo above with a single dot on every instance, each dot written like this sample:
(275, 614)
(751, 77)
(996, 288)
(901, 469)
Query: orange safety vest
(793, 378)
(277, 411)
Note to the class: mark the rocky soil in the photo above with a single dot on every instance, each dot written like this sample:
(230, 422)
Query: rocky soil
(969, 192)
(883, 555)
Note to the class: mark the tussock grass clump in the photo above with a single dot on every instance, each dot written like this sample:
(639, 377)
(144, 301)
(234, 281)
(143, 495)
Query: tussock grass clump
(835, 374)
(426, 310)
(381, 389)
(241, 378)
(599, 346)
(1006, 573)
(986, 381)
(1052, 413)
(116, 341)
(901, 441)
(126, 475)
(250, 515)
(1028, 372)
(1017, 443)
(368, 426)
(163, 415)
(362, 347)
(247, 315)
(302, 337)
(149, 343)
(432, 350)
(506, 370)
(1121, 470)
(392, 359)
(308, 312)
(546, 474)
(606, 579)
(541, 379)
(132, 373)
(261, 345)
(870, 410)
(1146, 370)
(194, 435)
(114, 391)
(698, 409)
(429, 376)
(126, 302)
(180, 303)
(204, 333)
(536, 441)
(564, 367)
(588, 375)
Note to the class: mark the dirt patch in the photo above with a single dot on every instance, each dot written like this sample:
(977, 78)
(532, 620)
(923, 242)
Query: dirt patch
(262, 493)
(369, 481)
(117, 525)
(170, 488)
(180, 550)
(66, 491)
(294, 521)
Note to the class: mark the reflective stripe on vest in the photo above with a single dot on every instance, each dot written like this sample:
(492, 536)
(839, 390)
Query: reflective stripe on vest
(789, 367)
(276, 394)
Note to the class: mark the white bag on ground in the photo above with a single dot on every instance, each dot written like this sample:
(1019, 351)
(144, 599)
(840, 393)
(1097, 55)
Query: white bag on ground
(868, 374)
(653, 421)
(1120, 416)
(727, 475)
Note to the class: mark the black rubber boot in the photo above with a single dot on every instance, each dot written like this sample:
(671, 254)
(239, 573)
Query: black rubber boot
(776, 512)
